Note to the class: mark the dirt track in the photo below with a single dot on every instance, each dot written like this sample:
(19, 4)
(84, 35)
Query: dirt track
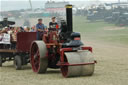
(112, 69)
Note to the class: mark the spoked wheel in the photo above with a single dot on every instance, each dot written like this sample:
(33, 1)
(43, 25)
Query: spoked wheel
(18, 62)
(0, 61)
(78, 58)
(39, 61)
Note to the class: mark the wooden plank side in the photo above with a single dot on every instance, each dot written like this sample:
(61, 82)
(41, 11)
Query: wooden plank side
(7, 51)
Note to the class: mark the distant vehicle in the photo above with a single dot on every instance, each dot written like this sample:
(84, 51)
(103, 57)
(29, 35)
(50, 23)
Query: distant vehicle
(118, 18)
(113, 18)
(5, 23)
(122, 20)
(96, 16)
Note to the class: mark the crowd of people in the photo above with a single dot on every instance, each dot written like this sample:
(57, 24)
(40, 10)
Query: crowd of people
(14, 30)
(39, 28)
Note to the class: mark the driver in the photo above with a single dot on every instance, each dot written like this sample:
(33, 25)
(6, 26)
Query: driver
(40, 27)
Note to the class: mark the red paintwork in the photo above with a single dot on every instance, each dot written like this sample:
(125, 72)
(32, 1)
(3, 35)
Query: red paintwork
(24, 40)
(77, 38)
(67, 64)
(51, 39)
(87, 48)
(57, 26)
(35, 62)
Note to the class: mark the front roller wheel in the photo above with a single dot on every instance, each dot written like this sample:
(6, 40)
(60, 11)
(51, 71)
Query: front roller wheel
(38, 53)
(78, 58)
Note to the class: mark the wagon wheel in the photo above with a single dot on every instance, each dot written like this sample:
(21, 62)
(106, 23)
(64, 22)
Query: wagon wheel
(39, 61)
(77, 58)
(0, 61)
(18, 62)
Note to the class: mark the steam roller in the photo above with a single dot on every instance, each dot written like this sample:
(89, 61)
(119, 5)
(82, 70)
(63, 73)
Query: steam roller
(62, 48)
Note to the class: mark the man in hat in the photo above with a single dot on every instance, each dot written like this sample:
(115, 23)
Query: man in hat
(40, 27)
(53, 24)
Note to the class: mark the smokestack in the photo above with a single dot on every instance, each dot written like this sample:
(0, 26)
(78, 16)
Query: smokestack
(69, 17)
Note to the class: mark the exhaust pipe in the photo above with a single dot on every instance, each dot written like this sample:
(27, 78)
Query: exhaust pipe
(69, 18)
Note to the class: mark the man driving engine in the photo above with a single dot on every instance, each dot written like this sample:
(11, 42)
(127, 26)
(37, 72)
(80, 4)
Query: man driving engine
(40, 27)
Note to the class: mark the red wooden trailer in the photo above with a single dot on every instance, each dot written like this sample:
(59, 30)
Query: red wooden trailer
(17, 51)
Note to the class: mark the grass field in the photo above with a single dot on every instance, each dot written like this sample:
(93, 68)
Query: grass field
(110, 47)
(101, 31)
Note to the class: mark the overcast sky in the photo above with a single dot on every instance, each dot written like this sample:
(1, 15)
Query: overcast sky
(24, 4)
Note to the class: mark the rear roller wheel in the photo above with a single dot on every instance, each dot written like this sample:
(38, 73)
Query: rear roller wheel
(39, 61)
(0, 61)
(18, 62)
(78, 58)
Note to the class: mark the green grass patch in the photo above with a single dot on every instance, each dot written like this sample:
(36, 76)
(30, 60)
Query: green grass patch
(82, 25)
(98, 31)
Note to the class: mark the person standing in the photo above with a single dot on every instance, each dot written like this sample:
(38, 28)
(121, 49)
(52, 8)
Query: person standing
(40, 27)
(53, 24)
